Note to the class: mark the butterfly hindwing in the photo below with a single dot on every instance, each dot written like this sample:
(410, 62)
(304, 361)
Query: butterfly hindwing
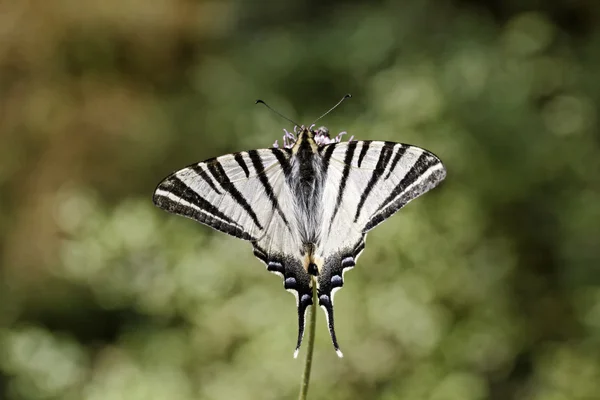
(285, 263)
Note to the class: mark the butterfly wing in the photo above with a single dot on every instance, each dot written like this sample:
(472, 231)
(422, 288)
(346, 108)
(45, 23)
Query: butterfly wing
(367, 182)
(245, 195)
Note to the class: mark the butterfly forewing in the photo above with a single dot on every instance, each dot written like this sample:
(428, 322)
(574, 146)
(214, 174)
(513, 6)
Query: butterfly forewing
(366, 183)
(219, 193)
(384, 177)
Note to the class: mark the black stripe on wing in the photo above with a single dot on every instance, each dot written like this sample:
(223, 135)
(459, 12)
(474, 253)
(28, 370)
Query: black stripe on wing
(239, 158)
(345, 173)
(264, 180)
(384, 158)
(283, 156)
(197, 168)
(169, 195)
(401, 150)
(363, 151)
(217, 171)
(326, 152)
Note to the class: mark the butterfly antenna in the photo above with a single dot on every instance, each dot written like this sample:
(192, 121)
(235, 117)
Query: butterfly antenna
(334, 107)
(276, 112)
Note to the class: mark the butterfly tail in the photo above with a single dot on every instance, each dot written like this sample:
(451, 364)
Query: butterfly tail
(304, 301)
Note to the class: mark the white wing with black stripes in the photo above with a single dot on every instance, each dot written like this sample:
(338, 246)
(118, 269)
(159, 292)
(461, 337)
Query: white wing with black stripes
(245, 195)
(227, 193)
(367, 182)
(305, 209)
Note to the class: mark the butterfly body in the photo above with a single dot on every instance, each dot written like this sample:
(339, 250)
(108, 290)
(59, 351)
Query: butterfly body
(305, 209)
(306, 184)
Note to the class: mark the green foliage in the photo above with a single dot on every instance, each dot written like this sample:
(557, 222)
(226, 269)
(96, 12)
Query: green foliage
(487, 287)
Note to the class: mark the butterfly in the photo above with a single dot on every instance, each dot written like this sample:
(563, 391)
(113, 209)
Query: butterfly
(305, 207)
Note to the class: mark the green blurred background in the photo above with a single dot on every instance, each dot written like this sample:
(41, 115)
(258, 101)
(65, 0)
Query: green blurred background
(486, 288)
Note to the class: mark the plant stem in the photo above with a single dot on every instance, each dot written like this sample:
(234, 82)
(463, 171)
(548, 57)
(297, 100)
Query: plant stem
(310, 346)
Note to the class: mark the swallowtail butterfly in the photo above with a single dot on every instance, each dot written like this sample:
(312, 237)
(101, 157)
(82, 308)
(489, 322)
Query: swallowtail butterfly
(305, 207)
